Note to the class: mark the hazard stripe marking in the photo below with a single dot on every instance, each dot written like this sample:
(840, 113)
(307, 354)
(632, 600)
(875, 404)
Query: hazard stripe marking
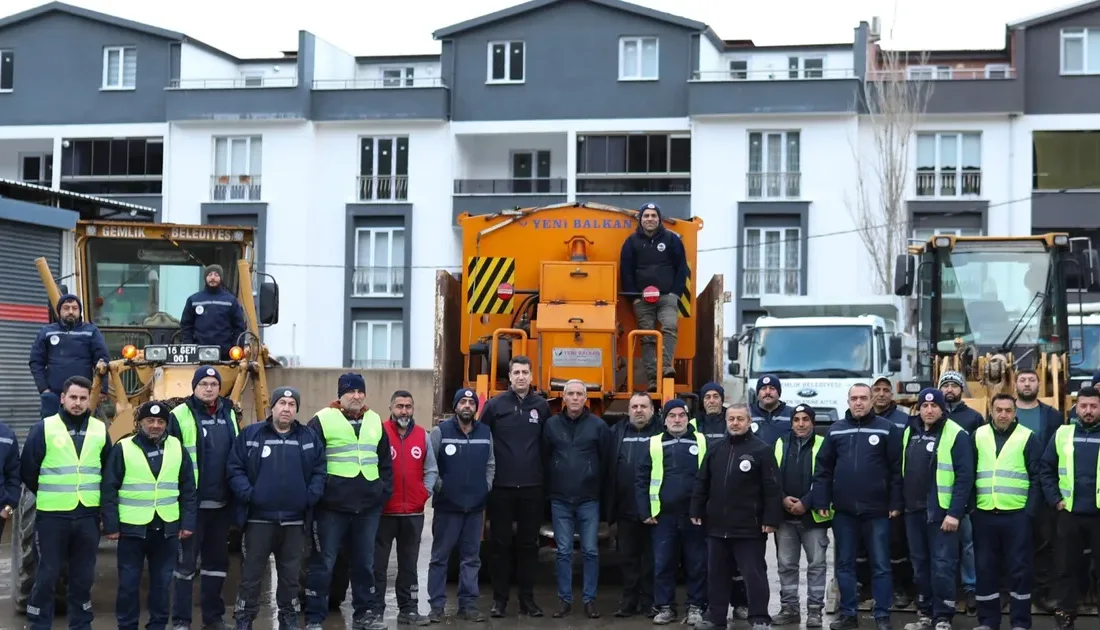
(685, 300)
(483, 275)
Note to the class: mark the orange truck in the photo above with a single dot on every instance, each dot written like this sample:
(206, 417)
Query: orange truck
(544, 282)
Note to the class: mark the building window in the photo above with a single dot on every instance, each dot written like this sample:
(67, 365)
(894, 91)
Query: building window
(1080, 51)
(773, 260)
(253, 80)
(397, 77)
(530, 172)
(774, 158)
(383, 169)
(36, 168)
(102, 166)
(119, 67)
(949, 164)
(7, 70)
(739, 69)
(377, 344)
(507, 62)
(1066, 160)
(638, 59)
(928, 73)
(237, 169)
(635, 163)
(805, 67)
(998, 71)
(379, 262)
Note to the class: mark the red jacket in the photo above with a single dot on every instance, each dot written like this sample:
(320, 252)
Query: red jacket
(409, 493)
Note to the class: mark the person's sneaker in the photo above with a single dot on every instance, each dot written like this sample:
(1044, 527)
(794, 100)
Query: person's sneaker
(180, 626)
(694, 616)
(665, 616)
(626, 611)
(844, 622)
(289, 622)
(1018, 628)
(788, 615)
(985, 627)
(705, 625)
(435, 615)
(1064, 620)
(369, 621)
(902, 599)
(761, 626)
(411, 618)
(314, 626)
(943, 624)
(466, 614)
(813, 617)
(741, 612)
(922, 623)
(499, 609)
(884, 624)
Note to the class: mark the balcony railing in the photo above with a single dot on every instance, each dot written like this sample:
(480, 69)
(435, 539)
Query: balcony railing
(757, 282)
(382, 187)
(518, 186)
(773, 185)
(966, 182)
(376, 364)
(600, 184)
(235, 188)
(943, 74)
(233, 84)
(378, 84)
(773, 75)
(378, 282)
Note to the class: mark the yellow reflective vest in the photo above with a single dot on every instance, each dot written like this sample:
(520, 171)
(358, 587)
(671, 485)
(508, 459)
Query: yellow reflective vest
(1001, 480)
(65, 479)
(143, 496)
(1063, 445)
(346, 455)
(945, 466)
(657, 471)
(189, 431)
(781, 449)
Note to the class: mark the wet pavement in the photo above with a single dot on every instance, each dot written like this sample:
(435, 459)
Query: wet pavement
(103, 599)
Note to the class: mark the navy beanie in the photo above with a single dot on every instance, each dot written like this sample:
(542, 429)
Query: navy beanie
(350, 382)
(712, 387)
(675, 403)
(202, 373)
(806, 409)
(153, 409)
(770, 379)
(933, 395)
(465, 393)
(287, 392)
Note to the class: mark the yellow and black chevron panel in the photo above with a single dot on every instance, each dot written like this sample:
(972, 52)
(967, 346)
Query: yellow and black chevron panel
(685, 299)
(483, 275)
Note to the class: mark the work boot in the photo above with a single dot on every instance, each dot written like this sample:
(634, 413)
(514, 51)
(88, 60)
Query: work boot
(902, 599)
(760, 625)
(665, 616)
(1064, 620)
(813, 617)
(527, 606)
(883, 624)
(626, 611)
(923, 622)
(410, 618)
(787, 615)
(499, 609)
(741, 612)
(694, 616)
(564, 610)
(844, 622)
(435, 615)
(465, 614)
(971, 604)
(943, 624)
(590, 610)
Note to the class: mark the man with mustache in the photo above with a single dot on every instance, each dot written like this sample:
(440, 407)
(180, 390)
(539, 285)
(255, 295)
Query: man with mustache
(68, 347)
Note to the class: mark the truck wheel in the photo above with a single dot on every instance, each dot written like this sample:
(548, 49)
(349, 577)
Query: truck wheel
(25, 558)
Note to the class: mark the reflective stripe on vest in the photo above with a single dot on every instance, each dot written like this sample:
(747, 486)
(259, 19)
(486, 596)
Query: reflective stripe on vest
(142, 495)
(1063, 444)
(189, 431)
(65, 479)
(781, 449)
(945, 467)
(657, 471)
(346, 455)
(1001, 480)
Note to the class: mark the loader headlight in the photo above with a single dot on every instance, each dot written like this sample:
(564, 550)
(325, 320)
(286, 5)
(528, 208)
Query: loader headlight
(156, 353)
(912, 387)
(1061, 239)
(209, 354)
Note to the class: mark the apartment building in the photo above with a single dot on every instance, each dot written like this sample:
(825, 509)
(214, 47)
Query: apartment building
(354, 168)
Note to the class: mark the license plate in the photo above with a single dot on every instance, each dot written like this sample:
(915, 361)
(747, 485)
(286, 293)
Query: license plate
(184, 353)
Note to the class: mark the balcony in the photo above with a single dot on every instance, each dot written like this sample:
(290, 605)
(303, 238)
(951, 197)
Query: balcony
(376, 364)
(773, 185)
(955, 183)
(254, 98)
(427, 98)
(382, 188)
(488, 196)
(757, 282)
(369, 282)
(235, 188)
(671, 192)
(770, 92)
(958, 90)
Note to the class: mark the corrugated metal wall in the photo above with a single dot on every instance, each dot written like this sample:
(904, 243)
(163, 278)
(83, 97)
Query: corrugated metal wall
(20, 244)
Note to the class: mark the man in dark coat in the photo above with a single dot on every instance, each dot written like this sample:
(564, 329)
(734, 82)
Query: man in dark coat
(68, 347)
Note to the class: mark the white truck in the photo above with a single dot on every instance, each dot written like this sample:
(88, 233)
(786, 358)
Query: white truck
(819, 349)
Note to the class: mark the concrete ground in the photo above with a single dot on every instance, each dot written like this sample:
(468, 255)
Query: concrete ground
(103, 599)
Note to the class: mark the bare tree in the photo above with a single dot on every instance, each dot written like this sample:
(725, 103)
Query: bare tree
(895, 105)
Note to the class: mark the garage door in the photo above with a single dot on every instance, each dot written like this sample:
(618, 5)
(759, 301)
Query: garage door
(23, 310)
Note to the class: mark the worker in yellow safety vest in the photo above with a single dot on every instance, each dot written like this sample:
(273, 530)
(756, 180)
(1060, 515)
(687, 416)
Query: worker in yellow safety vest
(665, 482)
(62, 463)
(149, 505)
(1006, 485)
(1069, 471)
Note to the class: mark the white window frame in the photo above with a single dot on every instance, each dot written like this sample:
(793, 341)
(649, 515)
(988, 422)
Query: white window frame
(760, 264)
(1075, 33)
(640, 41)
(734, 72)
(992, 68)
(371, 233)
(11, 54)
(938, 167)
(248, 141)
(801, 70)
(405, 77)
(507, 43)
(252, 188)
(765, 172)
(367, 355)
(122, 52)
(44, 157)
(934, 73)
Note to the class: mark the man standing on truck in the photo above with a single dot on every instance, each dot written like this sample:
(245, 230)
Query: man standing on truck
(516, 418)
(65, 348)
(629, 445)
(206, 425)
(62, 463)
(653, 256)
(771, 417)
(882, 398)
(859, 475)
(213, 316)
(414, 477)
(577, 445)
(952, 384)
(359, 471)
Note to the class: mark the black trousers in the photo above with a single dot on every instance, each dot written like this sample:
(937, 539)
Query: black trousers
(747, 554)
(260, 541)
(1045, 576)
(406, 532)
(524, 508)
(1076, 533)
(635, 542)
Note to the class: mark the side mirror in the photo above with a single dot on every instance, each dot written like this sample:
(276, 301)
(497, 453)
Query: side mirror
(731, 349)
(893, 365)
(269, 302)
(905, 267)
(734, 369)
(63, 288)
(1093, 260)
(893, 348)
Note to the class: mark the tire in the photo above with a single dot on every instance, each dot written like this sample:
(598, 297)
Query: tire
(25, 559)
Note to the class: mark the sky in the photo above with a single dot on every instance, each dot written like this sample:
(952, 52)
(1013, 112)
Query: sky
(264, 28)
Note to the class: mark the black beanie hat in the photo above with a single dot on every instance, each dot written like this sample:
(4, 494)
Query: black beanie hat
(202, 373)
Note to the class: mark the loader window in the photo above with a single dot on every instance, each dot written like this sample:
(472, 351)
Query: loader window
(812, 351)
(1086, 362)
(131, 280)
